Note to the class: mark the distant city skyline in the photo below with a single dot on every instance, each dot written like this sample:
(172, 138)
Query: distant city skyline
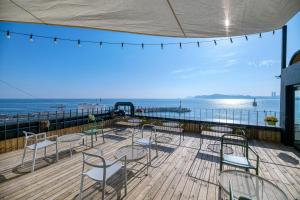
(42, 69)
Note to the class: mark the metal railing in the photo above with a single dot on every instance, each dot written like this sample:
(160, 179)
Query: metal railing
(226, 116)
(12, 126)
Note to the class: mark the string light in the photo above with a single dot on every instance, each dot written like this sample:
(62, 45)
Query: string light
(7, 35)
(31, 38)
(55, 39)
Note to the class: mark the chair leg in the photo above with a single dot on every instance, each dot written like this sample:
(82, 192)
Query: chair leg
(103, 136)
(156, 149)
(125, 178)
(24, 153)
(33, 160)
(56, 152)
(221, 166)
(150, 154)
(103, 190)
(81, 186)
(45, 152)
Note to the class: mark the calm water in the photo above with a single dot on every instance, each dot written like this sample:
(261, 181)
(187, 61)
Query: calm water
(238, 111)
(12, 106)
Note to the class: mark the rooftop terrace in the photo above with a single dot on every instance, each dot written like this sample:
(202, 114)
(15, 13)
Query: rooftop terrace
(185, 171)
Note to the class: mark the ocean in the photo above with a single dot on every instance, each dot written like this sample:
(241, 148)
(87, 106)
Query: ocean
(22, 106)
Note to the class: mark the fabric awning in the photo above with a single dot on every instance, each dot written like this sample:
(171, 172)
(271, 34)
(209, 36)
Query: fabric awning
(178, 18)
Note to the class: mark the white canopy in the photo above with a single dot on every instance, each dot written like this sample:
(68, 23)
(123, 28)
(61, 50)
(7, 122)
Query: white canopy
(179, 18)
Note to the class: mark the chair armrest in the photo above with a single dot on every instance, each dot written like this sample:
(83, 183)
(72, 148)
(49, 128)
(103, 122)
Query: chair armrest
(257, 156)
(52, 137)
(253, 151)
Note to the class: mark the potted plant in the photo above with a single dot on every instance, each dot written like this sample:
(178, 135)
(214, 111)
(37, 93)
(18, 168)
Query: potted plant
(271, 120)
(91, 118)
(45, 124)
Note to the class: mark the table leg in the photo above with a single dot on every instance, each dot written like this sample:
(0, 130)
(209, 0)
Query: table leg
(92, 140)
(147, 164)
(71, 149)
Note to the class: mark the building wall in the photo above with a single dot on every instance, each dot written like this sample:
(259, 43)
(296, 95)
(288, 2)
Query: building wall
(289, 76)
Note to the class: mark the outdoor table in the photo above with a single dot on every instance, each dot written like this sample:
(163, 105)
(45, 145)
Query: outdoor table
(249, 186)
(70, 138)
(169, 127)
(221, 129)
(133, 153)
(134, 122)
(92, 132)
(216, 145)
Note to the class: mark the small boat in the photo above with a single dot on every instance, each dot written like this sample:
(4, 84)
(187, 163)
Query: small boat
(254, 103)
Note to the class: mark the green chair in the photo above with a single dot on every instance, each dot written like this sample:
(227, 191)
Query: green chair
(94, 129)
(241, 159)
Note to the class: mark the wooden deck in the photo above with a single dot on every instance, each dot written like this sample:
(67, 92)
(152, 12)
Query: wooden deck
(179, 172)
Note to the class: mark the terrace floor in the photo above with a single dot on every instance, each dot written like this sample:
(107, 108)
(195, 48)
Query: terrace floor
(179, 172)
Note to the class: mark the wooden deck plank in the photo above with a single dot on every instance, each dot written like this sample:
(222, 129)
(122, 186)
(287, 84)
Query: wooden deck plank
(168, 176)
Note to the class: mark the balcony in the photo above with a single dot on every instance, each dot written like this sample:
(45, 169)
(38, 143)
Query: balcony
(182, 170)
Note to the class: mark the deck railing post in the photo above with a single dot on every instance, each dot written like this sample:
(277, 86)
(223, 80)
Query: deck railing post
(56, 120)
(29, 128)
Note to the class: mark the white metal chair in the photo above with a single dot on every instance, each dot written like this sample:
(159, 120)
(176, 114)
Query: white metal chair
(35, 142)
(102, 171)
(143, 141)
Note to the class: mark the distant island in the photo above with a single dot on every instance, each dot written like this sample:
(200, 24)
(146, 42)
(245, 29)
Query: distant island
(225, 96)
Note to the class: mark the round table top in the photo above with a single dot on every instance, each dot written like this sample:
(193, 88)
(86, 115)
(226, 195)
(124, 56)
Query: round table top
(249, 186)
(222, 129)
(70, 137)
(171, 124)
(134, 121)
(91, 131)
(163, 139)
(132, 152)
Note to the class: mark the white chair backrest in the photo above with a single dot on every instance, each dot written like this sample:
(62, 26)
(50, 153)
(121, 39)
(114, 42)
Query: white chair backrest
(90, 160)
(147, 126)
(34, 137)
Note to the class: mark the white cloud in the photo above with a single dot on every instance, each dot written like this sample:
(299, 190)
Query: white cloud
(263, 63)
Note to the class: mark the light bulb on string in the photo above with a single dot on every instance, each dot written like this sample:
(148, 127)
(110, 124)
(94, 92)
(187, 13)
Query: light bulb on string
(198, 44)
(100, 44)
(246, 37)
(55, 40)
(273, 32)
(215, 42)
(142, 45)
(162, 46)
(122, 44)
(78, 43)
(31, 38)
(7, 34)
(231, 41)
(180, 45)
(259, 35)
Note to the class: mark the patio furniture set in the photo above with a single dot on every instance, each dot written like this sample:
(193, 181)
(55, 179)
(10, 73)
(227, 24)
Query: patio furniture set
(233, 184)
(236, 184)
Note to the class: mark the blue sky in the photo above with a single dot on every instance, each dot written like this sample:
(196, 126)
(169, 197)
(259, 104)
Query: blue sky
(62, 70)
